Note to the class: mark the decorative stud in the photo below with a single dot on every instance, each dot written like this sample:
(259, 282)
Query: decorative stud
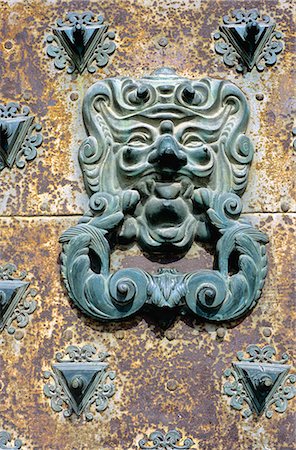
(162, 172)
(81, 42)
(19, 137)
(260, 382)
(248, 40)
(15, 303)
(5, 438)
(80, 381)
(169, 441)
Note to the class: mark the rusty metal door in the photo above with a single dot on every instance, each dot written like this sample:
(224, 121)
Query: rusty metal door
(169, 373)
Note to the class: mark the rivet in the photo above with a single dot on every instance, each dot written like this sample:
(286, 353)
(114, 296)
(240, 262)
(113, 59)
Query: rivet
(119, 334)
(259, 96)
(26, 95)
(172, 385)
(74, 96)
(170, 335)
(285, 206)
(163, 42)
(44, 206)
(19, 334)
(8, 45)
(266, 332)
(221, 332)
(68, 335)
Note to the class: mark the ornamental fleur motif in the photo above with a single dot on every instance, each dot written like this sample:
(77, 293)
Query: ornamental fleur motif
(165, 162)
(19, 136)
(16, 299)
(5, 439)
(247, 40)
(80, 380)
(169, 441)
(260, 381)
(81, 42)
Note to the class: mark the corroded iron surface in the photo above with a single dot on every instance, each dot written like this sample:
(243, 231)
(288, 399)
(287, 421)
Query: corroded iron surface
(168, 375)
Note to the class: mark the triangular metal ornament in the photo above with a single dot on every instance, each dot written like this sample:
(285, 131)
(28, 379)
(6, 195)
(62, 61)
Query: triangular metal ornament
(80, 43)
(11, 292)
(247, 41)
(12, 134)
(261, 381)
(79, 381)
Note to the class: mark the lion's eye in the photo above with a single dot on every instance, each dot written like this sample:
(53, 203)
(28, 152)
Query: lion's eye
(191, 140)
(138, 139)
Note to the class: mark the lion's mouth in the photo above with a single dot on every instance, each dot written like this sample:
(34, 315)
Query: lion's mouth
(165, 212)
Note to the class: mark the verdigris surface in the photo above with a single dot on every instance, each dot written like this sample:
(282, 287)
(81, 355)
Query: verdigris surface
(260, 381)
(164, 165)
(5, 439)
(80, 379)
(247, 40)
(81, 42)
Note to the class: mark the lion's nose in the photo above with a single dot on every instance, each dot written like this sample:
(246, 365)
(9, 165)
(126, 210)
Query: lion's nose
(168, 155)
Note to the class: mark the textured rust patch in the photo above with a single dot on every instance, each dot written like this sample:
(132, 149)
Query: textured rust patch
(189, 356)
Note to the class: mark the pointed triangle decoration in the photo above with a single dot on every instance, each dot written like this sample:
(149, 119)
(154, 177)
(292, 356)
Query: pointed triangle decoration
(16, 300)
(18, 142)
(11, 292)
(81, 41)
(260, 382)
(80, 381)
(12, 134)
(249, 40)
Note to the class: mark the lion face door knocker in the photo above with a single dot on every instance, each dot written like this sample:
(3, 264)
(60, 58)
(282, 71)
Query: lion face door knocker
(164, 165)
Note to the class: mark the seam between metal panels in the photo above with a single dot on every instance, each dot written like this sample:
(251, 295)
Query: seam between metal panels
(78, 215)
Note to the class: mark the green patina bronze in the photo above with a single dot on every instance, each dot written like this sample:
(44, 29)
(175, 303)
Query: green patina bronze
(81, 42)
(79, 381)
(247, 39)
(164, 165)
(260, 382)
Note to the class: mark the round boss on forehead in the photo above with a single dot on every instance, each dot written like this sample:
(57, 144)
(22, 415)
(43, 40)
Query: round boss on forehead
(166, 126)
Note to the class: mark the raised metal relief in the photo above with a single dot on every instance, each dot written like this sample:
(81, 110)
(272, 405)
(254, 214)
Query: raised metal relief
(260, 382)
(19, 136)
(248, 40)
(81, 42)
(5, 439)
(16, 299)
(165, 441)
(164, 165)
(80, 380)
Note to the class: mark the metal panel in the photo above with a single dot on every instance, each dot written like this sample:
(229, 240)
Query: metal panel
(166, 378)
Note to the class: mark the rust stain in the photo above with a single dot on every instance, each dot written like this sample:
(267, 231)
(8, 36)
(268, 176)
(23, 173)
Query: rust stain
(189, 356)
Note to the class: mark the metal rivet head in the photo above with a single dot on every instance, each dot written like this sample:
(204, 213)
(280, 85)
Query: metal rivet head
(285, 206)
(172, 385)
(163, 42)
(19, 334)
(77, 383)
(267, 332)
(259, 96)
(8, 45)
(221, 332)
(74, 96)
(265, 381)
(170, 335)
